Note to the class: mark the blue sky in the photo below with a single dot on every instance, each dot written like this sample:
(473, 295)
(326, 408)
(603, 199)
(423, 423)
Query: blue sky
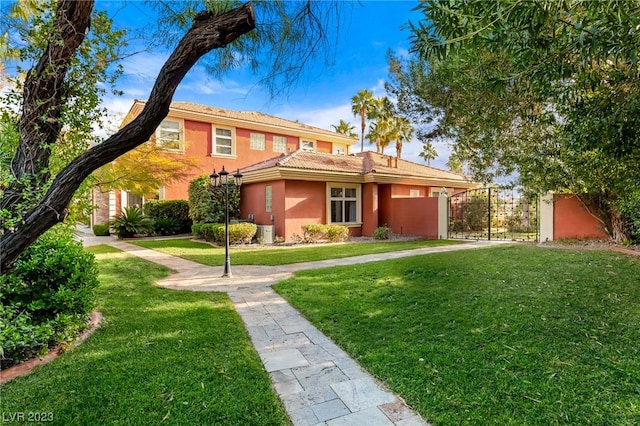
(321, 98)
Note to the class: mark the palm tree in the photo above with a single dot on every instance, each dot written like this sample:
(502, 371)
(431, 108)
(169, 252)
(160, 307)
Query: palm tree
(360, 104)
(345, 128)
(403, 132)
(428, 153)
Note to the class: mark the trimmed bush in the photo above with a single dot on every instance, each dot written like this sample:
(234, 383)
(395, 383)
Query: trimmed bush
(206, 204)
(101, 230)
(382, 233)
(130, 222)
(239, 233)
(176, 210)
(47, 297)
(315, 232)
(337, 233)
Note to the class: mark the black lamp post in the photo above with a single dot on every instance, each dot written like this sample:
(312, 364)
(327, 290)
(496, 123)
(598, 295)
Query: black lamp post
(221, 180)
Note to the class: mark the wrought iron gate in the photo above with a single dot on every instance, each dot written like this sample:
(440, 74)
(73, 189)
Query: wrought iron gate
(493, 214)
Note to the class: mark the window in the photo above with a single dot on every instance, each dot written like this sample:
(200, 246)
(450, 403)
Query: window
(344, 204)
(435, 193)
(267, 198)
(280, 144)
(257, 141)
(222, 142)
(339, 150)
(169, 136)
(307, 145)
(414, 193)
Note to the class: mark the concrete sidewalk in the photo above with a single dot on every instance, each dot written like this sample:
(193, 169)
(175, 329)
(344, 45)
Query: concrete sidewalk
(317, 381)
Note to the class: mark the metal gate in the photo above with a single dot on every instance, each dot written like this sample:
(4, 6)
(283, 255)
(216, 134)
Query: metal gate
(493, 214)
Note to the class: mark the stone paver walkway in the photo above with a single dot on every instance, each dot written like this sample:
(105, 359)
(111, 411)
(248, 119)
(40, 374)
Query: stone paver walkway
(317, 381)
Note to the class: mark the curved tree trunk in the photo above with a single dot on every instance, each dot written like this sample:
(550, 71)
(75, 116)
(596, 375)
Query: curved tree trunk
(208, 32)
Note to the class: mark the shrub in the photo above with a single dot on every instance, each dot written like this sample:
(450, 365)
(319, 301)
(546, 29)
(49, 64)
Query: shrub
(101, 230)
(166, 226)
(382, 233)
(239, 233)
(337, 233)
(629, 208)
(313, 232)
(130, 222)
(47, 297)
(177, 210)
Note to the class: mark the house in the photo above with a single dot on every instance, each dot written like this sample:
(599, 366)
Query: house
(217, 137)
(362, 191)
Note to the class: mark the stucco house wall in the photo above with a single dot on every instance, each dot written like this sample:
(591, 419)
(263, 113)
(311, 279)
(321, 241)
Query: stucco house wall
(571, 220)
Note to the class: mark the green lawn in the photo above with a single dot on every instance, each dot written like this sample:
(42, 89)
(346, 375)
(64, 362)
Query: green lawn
(214, 256)
(159, 357)
(514, 335)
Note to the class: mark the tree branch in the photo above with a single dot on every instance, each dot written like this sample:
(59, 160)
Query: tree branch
(208, 32)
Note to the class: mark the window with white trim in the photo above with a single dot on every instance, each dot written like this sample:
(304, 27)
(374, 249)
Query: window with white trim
(280, 144)
(307, 145)
(339, 150)
(222, 141)
(169, 135)
(257, 141)
(344, 203)
(414, 193)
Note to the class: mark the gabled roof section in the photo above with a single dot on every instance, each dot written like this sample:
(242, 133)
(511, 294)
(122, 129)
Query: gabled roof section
(361, 167)
(251, 120)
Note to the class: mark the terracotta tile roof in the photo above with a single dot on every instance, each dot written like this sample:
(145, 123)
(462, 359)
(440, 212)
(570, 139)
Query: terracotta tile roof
(378, 163)
(255, 117)
(358, 164)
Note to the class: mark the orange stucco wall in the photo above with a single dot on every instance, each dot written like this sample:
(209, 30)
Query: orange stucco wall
(572, 220)
(370, 208)
(407, 215)
(253, 201)
(198, 146)
(304, 203)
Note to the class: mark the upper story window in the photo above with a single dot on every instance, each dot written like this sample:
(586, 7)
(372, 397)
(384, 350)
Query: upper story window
(307, 145)
(344, 203)
(339, 150)
(257, 141)
(414, 193)
(169, 135)
(222, 142)
(280, 144)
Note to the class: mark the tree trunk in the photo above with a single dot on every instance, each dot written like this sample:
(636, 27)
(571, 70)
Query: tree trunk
(208, 32)
(601, 207)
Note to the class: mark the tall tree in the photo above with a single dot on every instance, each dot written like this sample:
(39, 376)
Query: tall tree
(428, 153)
(34, 199)
(360, 105)
(345, 128)
(548, 90)
(403, 132)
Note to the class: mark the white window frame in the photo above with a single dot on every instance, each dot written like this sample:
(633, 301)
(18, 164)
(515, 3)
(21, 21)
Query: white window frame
(339, 149)
(257, 141)
(214, 144)
(358, 200)
(312, 148)
(164, 142)
(280, 144)
(414, 193)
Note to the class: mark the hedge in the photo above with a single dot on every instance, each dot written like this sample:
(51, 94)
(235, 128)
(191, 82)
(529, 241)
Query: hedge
(239, 233)
(175, 210)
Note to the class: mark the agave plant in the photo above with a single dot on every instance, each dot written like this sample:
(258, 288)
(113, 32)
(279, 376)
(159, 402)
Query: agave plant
(130, 222)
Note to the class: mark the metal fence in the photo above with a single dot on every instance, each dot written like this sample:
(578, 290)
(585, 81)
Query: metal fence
(493, 214)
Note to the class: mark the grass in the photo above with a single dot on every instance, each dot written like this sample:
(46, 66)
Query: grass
(159, 357)
(206, 254)
(510, 335)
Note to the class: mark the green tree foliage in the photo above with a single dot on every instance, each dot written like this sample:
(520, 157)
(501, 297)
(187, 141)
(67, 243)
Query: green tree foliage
(206, 203)
(428, 152)
(345, 128)
(360, 106)
(547, 90)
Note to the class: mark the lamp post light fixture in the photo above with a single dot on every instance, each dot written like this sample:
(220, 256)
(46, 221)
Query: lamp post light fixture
(221, 180)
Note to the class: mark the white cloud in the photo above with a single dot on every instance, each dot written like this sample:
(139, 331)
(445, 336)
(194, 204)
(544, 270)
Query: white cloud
(320, 117)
